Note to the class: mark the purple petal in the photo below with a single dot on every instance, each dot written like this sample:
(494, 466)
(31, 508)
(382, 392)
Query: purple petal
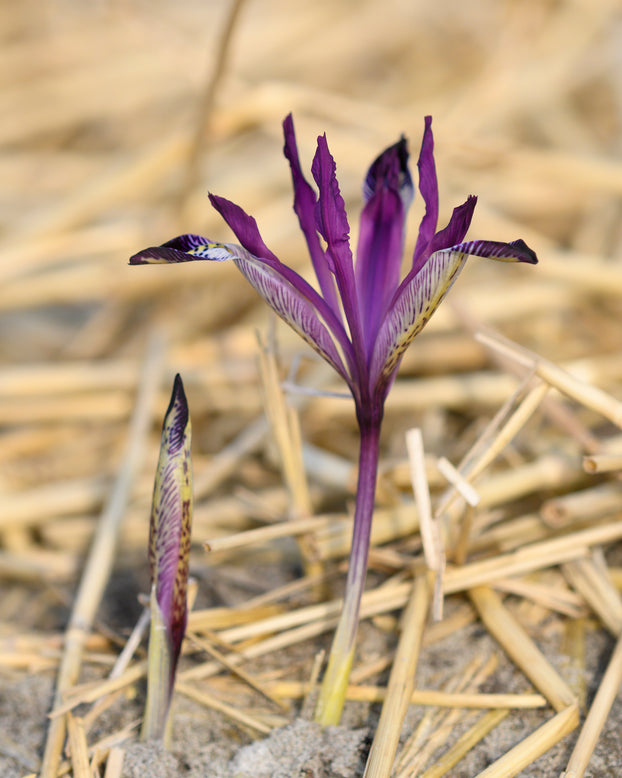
(243, 225)
(457, 228)
(304, 207)
(388, 191)
(245, 228)
(282, 288)
(288, 301)
(515, 251)
(452, 234)
(391, 169)
(184, 248)
(419, 298)
(409, 313)
(171, 518)
(332, 224)
(330, 212)
(428, 186)
(378, 257)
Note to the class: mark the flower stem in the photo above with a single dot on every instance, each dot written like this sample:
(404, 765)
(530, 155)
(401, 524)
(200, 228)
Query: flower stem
(333, 690)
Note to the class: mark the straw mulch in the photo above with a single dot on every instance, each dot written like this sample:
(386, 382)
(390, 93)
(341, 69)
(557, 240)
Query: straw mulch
(117, 119)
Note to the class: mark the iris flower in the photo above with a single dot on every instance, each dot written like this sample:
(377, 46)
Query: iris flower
(363, 316)
(169, 550)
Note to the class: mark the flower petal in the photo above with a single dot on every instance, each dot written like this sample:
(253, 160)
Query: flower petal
(378, 258)
(457, 228)
(449, 236)
(171, 518)
(391, 168)
(332, 224)
(184, 248)
(330, 212)
(419, 298)
(282, 288)
(388, 191)
(289, 302)
(515, 251)
(414, 305)
(245, 228)
(305, 202)
(243, 225)
(428, 186)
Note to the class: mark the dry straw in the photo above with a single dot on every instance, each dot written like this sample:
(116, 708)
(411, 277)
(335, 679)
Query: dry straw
(102, 142)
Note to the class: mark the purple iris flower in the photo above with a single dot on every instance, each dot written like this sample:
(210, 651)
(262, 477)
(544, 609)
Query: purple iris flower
(364, 315)
(169, 551)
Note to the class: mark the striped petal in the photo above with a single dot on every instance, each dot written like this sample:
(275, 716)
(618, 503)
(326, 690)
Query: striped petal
(287, 293)
(294, 308)
(184, 248)
(421, 296)
(171, 519)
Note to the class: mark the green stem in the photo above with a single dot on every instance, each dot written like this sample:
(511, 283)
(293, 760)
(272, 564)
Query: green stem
(333, 690)
(159, 688)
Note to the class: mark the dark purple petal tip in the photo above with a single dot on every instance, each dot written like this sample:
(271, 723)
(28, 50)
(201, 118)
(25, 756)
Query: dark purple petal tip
(524, 253)
(390, 168)
(177, 411)
(184, 248)
(515, 251)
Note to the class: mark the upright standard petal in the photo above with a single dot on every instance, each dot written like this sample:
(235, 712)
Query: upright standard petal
(287, 293)
(305, 202)
(244, 227)
(428, 186)
(381, 171)
(378, 258)
(419, 298)
(332, 224)
(449, 236)
(457, 228)
(388, 189)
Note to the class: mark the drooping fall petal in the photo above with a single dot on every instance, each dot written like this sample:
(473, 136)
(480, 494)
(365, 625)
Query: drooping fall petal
(184, 248)
(287, 293)
(246, 231)
(419, 298)
(294, 308)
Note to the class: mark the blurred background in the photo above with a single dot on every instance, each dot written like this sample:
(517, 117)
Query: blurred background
(117, 119)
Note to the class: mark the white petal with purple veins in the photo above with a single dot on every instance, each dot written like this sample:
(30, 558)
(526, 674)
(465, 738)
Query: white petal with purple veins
(411, 310)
